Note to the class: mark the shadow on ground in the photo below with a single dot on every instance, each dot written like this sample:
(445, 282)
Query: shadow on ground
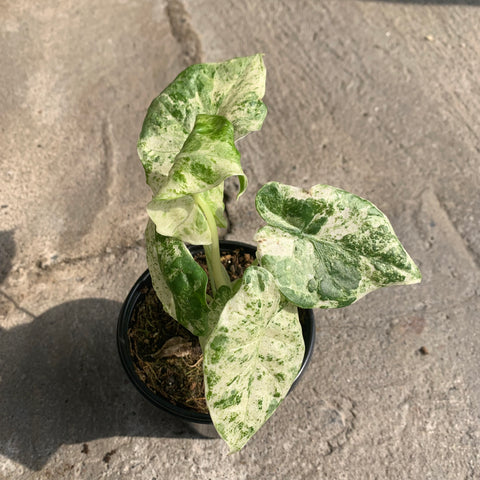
(7, 253)
(62, 383)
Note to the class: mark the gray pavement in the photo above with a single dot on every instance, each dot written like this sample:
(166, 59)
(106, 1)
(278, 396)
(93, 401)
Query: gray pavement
(380, 98)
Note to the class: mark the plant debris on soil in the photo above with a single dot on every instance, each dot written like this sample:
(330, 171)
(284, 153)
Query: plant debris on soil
(167, 357)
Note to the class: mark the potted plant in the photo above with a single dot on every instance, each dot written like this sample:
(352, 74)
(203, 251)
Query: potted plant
(321, 248)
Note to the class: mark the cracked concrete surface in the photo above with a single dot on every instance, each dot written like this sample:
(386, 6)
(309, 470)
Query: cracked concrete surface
(377, 97)
(184, 33)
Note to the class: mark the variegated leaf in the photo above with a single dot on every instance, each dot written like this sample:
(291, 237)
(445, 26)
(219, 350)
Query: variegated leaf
(179, 282)
(182, 217)
(222, 296)
(327, 247)
(232, 89)
(159, 283)
(251, 358)
(207, 158)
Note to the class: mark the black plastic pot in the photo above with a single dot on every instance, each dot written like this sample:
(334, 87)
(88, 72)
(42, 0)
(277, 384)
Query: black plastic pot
(200, 422)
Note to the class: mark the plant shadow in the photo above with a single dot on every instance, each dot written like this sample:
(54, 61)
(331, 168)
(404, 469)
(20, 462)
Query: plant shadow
(61, 382)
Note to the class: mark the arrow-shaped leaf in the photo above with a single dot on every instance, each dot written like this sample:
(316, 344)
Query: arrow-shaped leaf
(251, 358)
(232, 89)
(327, 247)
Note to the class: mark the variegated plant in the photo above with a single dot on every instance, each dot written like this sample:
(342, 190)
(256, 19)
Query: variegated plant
(321, 248)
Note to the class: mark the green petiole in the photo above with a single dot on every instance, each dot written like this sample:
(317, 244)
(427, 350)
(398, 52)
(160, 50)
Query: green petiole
(212, 252)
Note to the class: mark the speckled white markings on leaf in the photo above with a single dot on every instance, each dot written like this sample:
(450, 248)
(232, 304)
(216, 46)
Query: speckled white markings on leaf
(327, 247)
(179, 282)
(187, 142)
(232, 89)
(251, 358)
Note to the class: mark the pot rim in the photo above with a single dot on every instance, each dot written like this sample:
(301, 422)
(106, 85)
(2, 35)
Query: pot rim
(123, 344)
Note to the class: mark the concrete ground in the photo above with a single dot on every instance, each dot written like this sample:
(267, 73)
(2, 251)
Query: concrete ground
(378, 97)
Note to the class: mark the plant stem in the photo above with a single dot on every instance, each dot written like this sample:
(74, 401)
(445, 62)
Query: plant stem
(212, 252)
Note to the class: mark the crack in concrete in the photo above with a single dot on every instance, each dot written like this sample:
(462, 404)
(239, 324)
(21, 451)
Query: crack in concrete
(469, 248)
(109, 158)
(116, 251)
(183, 32)
(433, 208)
(16, 305)
(69, 261)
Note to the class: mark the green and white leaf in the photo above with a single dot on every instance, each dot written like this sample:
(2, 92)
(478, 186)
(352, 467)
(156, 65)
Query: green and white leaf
(207, 158)
(159, 283)
(183, 218)
(179, 282)
(232, 89)
(222, 296)
(251, 358)
(327, 247)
